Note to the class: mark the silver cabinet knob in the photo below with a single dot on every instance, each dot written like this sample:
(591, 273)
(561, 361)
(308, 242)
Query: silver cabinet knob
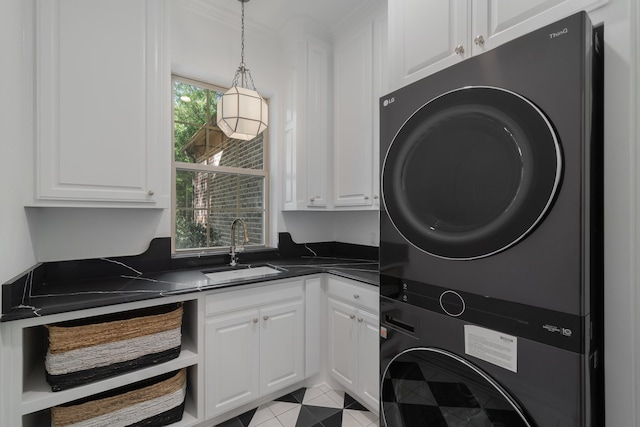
(366, 197)
(459, 50)
(360, 319)
(479, 40)
(352, 316)
(375, 197)
(313, 199)
(265, 317)
(255, 320)
(356, 296)
(151, 193)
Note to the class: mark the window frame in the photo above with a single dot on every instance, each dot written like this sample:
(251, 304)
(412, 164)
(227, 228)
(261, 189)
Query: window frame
(195, 167)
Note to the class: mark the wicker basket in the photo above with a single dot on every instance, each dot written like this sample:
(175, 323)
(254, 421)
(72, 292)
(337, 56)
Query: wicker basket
(157, 402)
(84, 351)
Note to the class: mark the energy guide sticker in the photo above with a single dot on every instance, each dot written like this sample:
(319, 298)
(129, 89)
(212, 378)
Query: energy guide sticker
(491, 346)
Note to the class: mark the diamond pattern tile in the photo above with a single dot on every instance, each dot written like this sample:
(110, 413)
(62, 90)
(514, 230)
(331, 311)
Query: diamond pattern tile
(308, 407)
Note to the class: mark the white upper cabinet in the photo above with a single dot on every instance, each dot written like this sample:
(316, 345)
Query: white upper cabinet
(102, 103)
(353, 118)
(307, 123)
(360, 79)
(426, 36)
(330, 132)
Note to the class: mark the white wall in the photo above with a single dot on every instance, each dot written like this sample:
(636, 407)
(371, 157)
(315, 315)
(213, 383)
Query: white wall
(357, 227)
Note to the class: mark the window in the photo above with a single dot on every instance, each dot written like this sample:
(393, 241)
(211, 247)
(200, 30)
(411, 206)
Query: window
(216, 179)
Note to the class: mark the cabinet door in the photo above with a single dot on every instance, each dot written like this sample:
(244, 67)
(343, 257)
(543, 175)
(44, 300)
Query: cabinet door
(498, 21)
(426, 36)
(318, 123)
(343, 343)
(281, 346)
(307, 121)
(232, 361)
(380, 88)
(353, 150)
(102, 121)
(368, 359)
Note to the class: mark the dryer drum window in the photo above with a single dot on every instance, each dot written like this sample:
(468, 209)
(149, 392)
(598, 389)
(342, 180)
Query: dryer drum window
(471, 172)
(428, 386)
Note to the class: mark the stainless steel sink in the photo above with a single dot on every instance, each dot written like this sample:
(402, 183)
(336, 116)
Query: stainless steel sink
(241, 273)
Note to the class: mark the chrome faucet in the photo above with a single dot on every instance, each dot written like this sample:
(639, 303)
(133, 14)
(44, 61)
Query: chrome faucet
(233, 249)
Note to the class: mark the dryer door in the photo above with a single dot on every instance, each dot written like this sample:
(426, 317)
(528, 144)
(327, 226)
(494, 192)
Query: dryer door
(433, 387)
(471, 173)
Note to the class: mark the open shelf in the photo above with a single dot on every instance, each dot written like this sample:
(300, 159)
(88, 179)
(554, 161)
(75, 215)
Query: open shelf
(189, 417)
(37, 397)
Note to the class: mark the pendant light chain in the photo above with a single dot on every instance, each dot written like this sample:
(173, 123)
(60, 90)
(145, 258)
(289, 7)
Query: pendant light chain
(242, 36)
(243, 72)
(241, 112)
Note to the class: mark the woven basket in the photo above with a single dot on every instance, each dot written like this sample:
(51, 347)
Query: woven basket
(84, 351)
(157, 402)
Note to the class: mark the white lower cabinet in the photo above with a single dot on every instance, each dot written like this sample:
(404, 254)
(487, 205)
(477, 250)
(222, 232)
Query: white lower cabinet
(254, 344)
(353, 339)
(232, 361)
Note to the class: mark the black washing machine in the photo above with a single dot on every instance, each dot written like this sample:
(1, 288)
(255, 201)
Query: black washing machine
(491, 230)
(484, 367)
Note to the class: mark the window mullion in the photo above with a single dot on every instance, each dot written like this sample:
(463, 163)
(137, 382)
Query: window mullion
(196, 167)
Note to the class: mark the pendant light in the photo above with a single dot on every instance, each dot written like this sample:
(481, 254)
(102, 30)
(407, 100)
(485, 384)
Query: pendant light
(242, 113)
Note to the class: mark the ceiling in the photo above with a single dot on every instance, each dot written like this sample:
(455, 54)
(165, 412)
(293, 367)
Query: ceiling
(273, 14)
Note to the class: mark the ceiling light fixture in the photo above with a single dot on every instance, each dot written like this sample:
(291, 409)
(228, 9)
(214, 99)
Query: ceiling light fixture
(242, 113)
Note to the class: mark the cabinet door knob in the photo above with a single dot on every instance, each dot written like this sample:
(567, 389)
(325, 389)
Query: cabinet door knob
(255, 320)
(459, 50)
(265, 317)
(375, 197)
(356, 296)
(479, 40)
(352, 316)
(151, 192)
(366, 197)
(360, 319)
(313, 199)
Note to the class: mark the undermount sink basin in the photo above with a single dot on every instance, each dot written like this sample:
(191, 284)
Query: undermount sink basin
(241, 273)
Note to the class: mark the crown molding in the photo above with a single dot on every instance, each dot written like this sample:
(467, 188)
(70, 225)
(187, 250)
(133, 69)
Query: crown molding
(370, 8)
(225, 16)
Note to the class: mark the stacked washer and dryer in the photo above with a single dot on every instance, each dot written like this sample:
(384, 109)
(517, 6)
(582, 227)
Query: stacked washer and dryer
(491, 238)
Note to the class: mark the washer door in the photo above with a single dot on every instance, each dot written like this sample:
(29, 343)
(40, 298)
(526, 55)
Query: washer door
(435, 388)
(471, 173)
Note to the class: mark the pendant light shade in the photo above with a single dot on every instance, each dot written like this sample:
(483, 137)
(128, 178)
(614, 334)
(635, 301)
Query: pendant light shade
(241, 112)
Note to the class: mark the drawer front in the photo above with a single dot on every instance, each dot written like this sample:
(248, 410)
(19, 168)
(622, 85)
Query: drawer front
(232, 299)
(354, 293)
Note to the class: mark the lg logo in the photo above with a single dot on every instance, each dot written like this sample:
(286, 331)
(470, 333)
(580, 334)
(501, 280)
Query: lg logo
(386, 102)
(559, 33)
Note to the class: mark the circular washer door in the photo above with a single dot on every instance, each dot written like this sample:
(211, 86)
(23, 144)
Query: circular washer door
(432, 387)
(471, 173)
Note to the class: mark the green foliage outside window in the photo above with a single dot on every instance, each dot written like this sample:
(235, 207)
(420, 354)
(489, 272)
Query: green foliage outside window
(207, 199)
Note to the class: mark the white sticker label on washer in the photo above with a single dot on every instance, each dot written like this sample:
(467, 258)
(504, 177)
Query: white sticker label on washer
(491, 346)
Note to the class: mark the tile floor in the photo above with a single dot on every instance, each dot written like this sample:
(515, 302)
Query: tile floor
(308, 407)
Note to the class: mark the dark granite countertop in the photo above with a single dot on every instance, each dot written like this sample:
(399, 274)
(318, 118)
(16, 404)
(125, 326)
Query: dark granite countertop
(65, 296)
